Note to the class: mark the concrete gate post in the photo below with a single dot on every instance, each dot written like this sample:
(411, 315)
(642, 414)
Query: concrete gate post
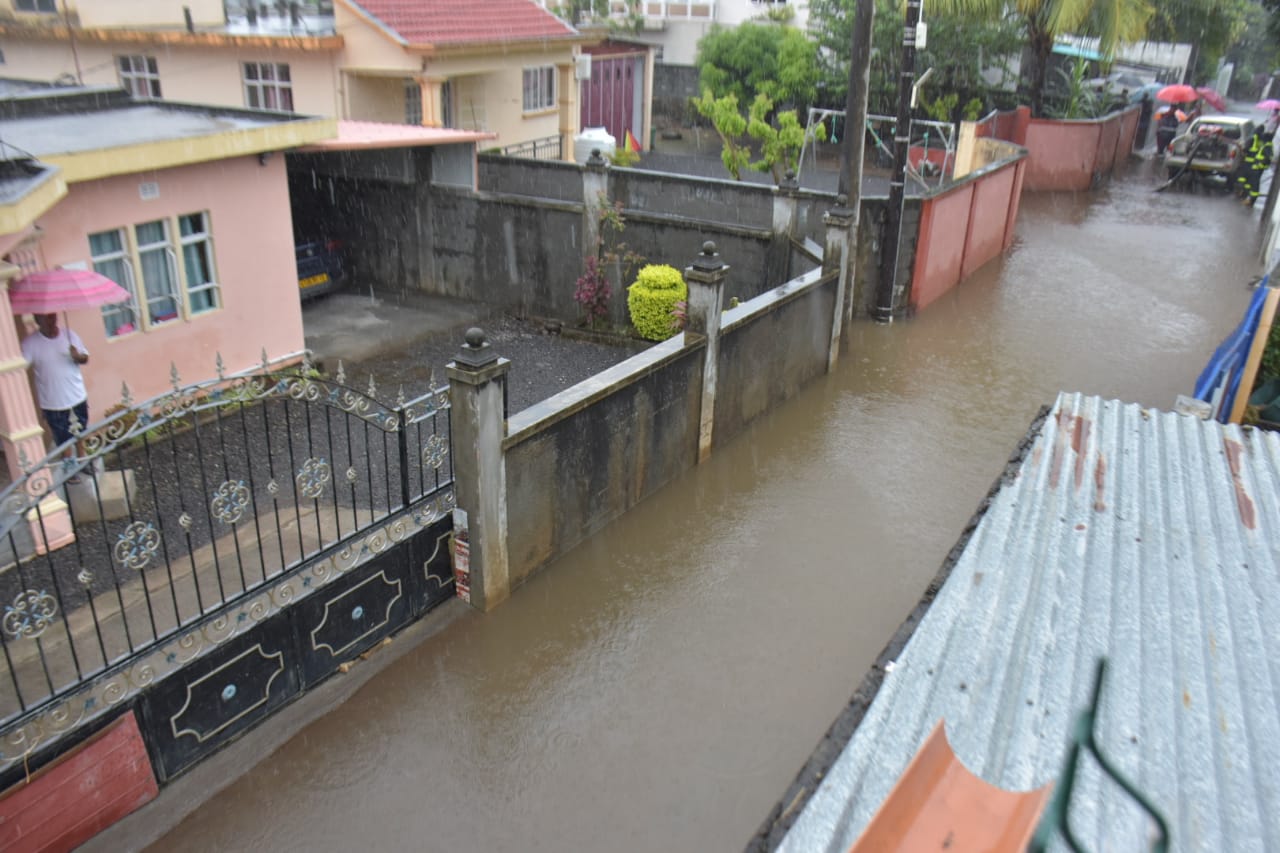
(478, 422)
(706, 277)
(840, 258)
(786, 198)
(595, 196)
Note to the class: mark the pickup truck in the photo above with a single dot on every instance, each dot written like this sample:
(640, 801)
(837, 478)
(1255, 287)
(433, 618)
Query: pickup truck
(1212, 147)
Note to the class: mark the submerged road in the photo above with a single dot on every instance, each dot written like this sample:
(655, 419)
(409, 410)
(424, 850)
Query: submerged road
(658, 688)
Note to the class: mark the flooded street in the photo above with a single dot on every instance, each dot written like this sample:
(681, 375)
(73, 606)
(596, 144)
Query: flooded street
(658, 688)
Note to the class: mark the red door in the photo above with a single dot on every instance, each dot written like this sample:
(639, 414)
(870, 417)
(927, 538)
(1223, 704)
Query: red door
(609, 97)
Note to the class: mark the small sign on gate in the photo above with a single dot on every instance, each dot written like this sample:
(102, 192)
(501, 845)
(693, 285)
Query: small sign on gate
(461, 556)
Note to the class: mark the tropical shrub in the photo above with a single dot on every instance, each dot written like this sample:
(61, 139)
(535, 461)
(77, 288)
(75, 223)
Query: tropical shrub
(592, 292)
(652, 300)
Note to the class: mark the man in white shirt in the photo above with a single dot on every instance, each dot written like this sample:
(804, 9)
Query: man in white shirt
(55, 356)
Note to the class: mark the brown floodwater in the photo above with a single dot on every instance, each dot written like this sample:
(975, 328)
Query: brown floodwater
(658, 688)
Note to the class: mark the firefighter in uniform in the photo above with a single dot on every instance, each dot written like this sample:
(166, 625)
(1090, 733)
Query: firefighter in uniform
(1257, 160)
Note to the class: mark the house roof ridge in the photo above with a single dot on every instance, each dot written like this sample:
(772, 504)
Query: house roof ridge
(455, 23)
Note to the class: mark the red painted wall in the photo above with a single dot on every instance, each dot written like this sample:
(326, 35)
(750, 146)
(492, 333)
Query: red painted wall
(1073, 155)
(940, 246)
(79, 795)
(987, 217)
(963, 228)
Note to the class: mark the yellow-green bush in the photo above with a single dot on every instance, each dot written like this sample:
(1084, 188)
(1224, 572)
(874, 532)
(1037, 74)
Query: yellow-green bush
(652, 299)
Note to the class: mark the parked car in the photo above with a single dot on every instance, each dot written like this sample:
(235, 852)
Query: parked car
(320, 268)
(1218, 143)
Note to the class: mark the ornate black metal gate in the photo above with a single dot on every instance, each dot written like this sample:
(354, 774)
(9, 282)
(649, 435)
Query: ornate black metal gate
(208, 554)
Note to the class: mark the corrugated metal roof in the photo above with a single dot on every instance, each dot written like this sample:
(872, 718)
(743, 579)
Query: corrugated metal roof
(1148, 537)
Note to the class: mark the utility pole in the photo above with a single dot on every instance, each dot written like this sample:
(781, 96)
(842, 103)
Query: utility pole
(855, 107)
(882, 310)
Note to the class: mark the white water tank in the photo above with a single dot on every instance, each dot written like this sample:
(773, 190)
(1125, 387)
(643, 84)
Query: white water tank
(590, 139)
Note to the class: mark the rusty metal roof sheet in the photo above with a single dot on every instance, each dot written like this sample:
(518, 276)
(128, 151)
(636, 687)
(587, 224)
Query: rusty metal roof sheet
(1151, 538)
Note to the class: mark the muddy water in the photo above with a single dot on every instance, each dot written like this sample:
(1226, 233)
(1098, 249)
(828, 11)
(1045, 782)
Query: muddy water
(658, 688)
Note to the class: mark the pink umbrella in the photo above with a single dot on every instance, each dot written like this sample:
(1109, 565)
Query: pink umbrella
(1212, 98)
(1268, 104)
(49, 291)
(1177, 93)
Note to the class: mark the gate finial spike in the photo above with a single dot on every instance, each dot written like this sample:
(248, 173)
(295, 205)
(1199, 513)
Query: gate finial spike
(306, 364)
(174, 379)
(400, 398)
(266, 362)
(126, 399)
(23, 462)
(431, 379)
(373, 389)
(341, 378)
(219, 366)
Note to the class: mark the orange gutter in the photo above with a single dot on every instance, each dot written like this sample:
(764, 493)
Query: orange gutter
(171, 38)
(937, 804)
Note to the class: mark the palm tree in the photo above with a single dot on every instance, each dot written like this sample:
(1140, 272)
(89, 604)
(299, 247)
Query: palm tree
(1113, 21)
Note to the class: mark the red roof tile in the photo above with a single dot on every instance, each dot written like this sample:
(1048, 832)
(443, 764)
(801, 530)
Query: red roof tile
(452, 22)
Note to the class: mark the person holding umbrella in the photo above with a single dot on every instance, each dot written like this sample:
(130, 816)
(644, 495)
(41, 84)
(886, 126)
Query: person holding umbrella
(56, 356)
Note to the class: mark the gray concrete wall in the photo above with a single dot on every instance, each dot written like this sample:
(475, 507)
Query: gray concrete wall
(673, 86)
(582, 458)
(549, 179)
(512, 252)
(703, 199)
(770, 348)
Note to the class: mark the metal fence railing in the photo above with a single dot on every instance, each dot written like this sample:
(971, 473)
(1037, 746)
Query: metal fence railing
(546, 148)
(159, 516)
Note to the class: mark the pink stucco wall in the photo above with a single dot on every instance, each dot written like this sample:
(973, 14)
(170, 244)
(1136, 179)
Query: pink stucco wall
(964, 228)
(1074, 155)
(248, 208)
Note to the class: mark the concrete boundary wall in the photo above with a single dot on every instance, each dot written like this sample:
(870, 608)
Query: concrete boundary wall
(564, 468)
(964, 226)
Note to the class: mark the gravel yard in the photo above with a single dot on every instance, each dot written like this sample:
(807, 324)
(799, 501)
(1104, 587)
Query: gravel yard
(542, 364)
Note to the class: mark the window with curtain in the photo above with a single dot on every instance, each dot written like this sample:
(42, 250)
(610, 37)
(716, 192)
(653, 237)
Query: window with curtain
(267, 86)
(140, 76)
(539, 88)
(197, 262)
(110, 257)
(159, 272)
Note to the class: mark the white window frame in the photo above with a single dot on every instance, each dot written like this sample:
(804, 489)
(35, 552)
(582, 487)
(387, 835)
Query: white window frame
(125, 257)
(265, 84)
(412, 102)
(202, 238)
(539, 89)
(165, 246)
(140, 75)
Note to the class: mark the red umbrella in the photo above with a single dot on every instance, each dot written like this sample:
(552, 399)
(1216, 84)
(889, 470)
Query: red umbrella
(49, 291)
(1178, 93)
(1212, 98)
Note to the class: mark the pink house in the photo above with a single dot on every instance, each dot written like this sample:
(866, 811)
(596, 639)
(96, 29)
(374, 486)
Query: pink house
(186, 207)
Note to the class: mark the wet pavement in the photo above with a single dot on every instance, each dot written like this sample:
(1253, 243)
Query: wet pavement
(659, 687)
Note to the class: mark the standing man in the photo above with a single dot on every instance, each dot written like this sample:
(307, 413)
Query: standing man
(55, 356)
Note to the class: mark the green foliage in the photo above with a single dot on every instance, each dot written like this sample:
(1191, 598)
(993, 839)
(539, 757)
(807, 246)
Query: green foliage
(1270, 367)
(960, 48)
(624, 157)
(758, 58)
(1212, 27)
(780, 143)
(652, 300)
(729, 124)
(780, 140)
(1113, 22)
(1078, 100)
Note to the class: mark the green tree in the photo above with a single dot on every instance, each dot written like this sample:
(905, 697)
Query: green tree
(759, 59)
(1211, 27)
(729, 125)
(780, 142)
(1113, 22)
(960, 49)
